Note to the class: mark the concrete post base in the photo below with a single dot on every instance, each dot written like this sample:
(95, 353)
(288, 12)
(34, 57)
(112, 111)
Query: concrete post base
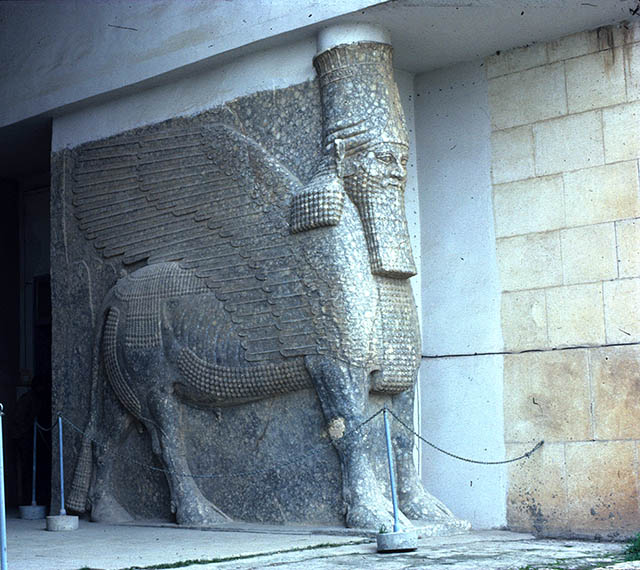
(62, 522)
(32, 512)
(400, 541)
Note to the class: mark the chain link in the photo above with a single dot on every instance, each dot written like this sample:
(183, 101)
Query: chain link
(477, 461)
(44, 440)
(310, 453)
(41, 427)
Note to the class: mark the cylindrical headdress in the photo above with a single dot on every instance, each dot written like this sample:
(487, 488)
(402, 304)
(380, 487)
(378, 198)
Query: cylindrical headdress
(360, 100)
(361, 109)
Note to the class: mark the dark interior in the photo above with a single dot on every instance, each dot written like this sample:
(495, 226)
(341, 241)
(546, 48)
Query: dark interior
(25, 305)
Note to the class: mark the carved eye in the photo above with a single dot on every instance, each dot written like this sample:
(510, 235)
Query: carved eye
(384, 157)
(404, 160)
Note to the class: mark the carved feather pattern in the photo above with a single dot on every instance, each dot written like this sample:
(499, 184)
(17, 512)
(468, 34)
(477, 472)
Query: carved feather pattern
(212, 200)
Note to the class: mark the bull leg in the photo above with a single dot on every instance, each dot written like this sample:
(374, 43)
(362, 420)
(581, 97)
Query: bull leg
(104, 506)
(343, 393)
(187, 501)
(414, 501)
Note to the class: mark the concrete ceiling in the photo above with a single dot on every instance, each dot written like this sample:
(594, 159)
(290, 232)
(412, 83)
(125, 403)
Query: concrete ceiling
(429, 34)
(426, 34)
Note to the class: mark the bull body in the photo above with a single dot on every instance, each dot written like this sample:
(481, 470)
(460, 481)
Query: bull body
(256, 285)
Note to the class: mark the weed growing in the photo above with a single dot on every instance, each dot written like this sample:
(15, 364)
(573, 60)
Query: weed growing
(633, 550)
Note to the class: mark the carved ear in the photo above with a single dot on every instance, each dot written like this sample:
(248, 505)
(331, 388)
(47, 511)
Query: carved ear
(318, 205)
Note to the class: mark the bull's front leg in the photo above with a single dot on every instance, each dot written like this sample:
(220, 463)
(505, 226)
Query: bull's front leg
(414, 501)
(343, 392)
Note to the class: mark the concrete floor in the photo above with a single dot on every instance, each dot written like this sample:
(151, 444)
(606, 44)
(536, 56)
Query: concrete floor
(244, 547)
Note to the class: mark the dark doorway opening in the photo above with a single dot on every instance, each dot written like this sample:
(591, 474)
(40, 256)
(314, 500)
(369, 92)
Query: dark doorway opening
(25, 308)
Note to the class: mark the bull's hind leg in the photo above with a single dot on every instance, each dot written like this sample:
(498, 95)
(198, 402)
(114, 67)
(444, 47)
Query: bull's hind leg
(187, 501)
(343, 393)
(414, 501)
(104, 506)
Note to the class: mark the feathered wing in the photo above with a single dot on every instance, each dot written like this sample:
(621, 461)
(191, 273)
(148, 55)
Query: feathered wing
(214, 201)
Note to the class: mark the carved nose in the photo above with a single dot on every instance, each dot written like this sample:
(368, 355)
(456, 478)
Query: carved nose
(399, 171)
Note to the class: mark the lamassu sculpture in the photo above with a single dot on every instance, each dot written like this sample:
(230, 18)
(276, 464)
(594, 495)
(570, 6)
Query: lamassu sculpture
(251, 284)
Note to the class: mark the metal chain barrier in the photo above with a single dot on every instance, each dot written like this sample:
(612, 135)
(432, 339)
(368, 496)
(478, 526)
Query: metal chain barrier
(477, 461)
(41, 427)
(44, 440)
(310, 453)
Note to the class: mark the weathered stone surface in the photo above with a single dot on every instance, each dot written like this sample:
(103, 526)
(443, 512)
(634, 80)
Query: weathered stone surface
(602, 488)
(57, 523)
(587, 42)
(621, 139)
(568, 143)
(527, 96)
(589, 253)
(527, 206)
(529, 261)
(581, 291)
(632, 70)
(400, 541)
(32, 512)
(243, 546)
(575, 315)
(616, 392)
(524, 320)
(533, 410)
(517, 59)
(537, 494)
(595, 80)
(628, 240)
(261, 314)
(622, 310)
(601, 194)
(512, 154)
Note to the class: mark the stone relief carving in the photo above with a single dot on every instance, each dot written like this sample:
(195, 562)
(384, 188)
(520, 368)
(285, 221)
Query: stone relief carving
(244, 283)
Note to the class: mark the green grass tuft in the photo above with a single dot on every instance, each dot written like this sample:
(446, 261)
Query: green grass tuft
(633, 550)
(202, 561)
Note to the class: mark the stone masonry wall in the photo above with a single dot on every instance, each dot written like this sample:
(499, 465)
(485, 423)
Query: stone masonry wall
(565, 146)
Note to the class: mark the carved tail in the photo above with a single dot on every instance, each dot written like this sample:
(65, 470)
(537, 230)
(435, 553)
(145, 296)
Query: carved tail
(76, 500)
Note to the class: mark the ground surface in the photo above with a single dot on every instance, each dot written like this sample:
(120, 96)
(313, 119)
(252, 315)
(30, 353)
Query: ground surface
(245, 547)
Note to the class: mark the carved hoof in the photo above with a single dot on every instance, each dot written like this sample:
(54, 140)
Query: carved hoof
(200, 514)
(421, 505)
(377, 518)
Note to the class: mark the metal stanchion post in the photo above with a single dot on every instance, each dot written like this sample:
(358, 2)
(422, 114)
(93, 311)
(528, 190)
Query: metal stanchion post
(399, 540)
(392, 476)
(33, 511)
(63, 521)
(3, 514)
(62, 509)
(33, 463)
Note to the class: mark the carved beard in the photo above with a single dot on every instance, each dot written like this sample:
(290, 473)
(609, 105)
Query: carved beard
(379, 199)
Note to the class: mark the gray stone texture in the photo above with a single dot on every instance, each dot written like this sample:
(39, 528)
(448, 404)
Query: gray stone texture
(399, 541)
(235, 546)
(231, 302)
(62, 523)
(32, 512)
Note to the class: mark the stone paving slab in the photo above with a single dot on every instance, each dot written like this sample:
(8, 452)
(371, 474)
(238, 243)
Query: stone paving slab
(248, 547)
(494, 550)
(111, 547)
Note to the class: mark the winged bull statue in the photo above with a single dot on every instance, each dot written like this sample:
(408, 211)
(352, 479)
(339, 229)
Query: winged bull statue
(250, 284)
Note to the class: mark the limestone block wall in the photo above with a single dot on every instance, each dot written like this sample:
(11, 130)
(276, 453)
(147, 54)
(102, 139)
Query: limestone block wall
(565, 145)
